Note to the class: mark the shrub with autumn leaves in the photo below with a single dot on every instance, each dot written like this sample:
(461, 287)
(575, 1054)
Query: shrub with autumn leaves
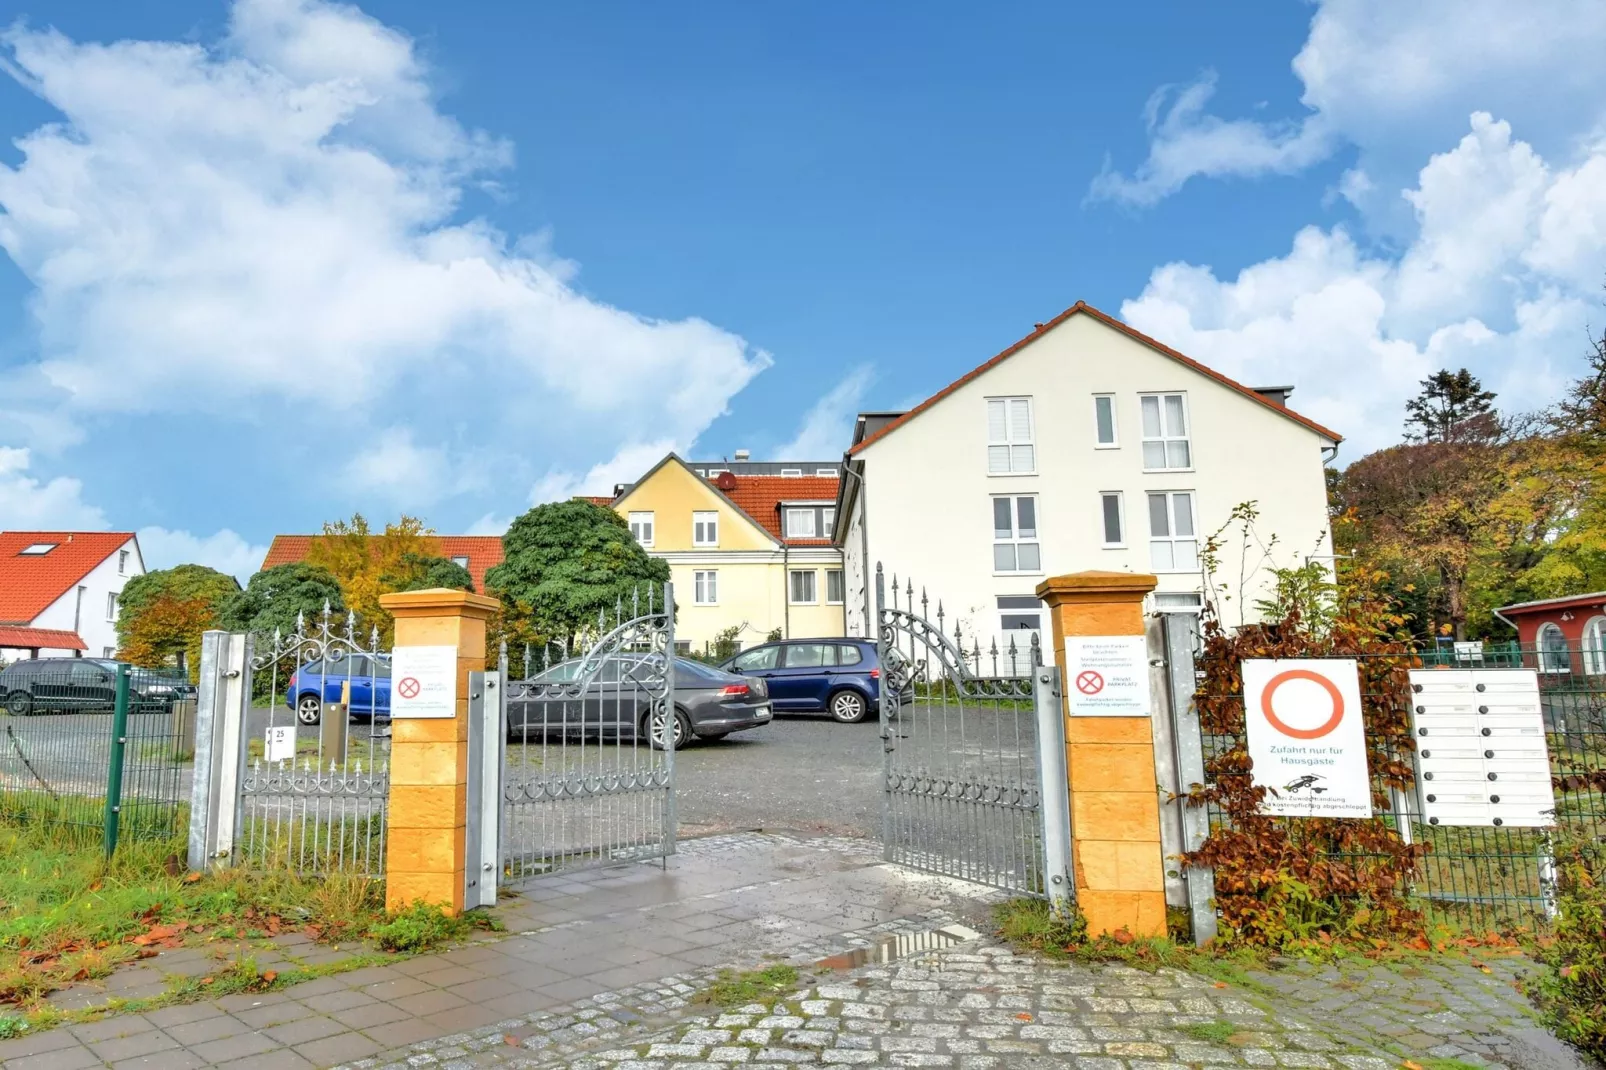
(1281, 881)
(1572, 991)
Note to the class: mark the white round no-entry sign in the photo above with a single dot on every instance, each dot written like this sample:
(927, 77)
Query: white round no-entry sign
(1307, 736)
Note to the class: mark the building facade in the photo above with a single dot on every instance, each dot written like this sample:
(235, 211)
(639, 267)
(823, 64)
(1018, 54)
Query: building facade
(1562, 636)
(1085, 445)
(60, 591)
(746, 551)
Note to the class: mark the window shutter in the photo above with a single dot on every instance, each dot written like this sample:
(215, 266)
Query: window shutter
(998, 460)
(1020, 420)
(997, 428)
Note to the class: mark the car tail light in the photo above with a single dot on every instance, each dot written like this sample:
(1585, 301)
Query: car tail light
(875, 674)
(734, 690)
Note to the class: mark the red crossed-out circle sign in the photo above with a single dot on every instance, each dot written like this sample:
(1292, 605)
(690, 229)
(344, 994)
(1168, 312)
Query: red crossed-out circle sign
(1089, 682)
(408, 687)
(1327, 685)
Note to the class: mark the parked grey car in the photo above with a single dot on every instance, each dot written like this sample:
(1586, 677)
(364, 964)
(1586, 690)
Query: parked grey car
(614, 705)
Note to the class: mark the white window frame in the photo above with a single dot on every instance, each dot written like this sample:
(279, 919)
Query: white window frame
(1171, 537)
(112, 603)
(813, 583)
(37, 549)
(698, 536)
(1120, 519)
(842, 587)
(1015, 538)
(108, 652)
(792, 473)
(1019, 449)
(1115, 424)
(829, 473)
(794, 512)
(1593, 646)
(1166, 438)
(650, 521)
(1546, 665)
(122, 562)
(460, 560)
(705, 587)
(828, 522)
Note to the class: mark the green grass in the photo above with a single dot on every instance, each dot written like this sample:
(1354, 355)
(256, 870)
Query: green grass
(1212, 1032)
(737, 988)
(1436, 1063)
(68, 914)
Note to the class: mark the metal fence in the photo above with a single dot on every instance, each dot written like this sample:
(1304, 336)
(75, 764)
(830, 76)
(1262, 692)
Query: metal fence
(316, 750)
(96, 748)
(963, 776)
(1485, 876)
(586, 776)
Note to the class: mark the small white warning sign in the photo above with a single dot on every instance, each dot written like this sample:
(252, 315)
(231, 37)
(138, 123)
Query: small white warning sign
(423, 681)
(1107, 676)
(280, 744)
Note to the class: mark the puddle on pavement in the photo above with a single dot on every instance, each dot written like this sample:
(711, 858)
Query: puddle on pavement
(897, 946)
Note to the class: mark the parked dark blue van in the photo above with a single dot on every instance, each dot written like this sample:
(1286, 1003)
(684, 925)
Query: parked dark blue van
(839, 676)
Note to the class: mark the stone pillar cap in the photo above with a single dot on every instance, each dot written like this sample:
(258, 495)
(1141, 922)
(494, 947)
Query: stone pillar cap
(439, 601)
(1115, 586)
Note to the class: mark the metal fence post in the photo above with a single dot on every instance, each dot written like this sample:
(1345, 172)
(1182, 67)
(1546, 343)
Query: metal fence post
(114, 771)
(1054, 778)
(479, 818)
(222, 700)
(1180, 632)
(671, 815)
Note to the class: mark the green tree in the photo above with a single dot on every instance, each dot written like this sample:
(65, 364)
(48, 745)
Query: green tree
(274, 597)
(1453, 407)
(421, 572)
(565, 563)
(162, 614)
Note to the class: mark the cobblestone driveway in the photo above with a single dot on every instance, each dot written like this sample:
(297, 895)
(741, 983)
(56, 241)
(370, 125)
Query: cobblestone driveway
(979, 1006)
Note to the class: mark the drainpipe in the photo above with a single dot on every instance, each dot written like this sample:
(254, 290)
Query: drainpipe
(864, 550)
(786, 589)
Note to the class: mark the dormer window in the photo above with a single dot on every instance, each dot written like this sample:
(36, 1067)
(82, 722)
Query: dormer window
(38, 549)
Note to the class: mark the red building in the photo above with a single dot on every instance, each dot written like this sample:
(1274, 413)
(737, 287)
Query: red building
(1567, 635)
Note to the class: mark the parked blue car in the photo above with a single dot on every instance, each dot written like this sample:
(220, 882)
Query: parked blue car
(317, 683)
(840, 676)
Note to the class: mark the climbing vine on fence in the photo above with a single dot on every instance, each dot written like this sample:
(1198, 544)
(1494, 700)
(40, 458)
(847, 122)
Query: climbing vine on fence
(1279, 880)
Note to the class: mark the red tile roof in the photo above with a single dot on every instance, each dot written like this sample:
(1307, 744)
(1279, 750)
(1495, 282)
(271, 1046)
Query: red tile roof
(483, 552)
(1110, 321)
(760, 497)
(39, 639)
(29, 583)
(596, 499)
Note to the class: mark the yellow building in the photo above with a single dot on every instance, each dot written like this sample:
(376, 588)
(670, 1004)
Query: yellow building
(748, 547)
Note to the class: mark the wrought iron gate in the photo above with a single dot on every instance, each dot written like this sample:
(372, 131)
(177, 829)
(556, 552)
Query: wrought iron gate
(317, 800)
(964, 768)
(587, 779)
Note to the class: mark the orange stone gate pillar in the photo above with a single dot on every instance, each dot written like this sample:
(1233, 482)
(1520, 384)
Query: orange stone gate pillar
(1117, 861)
(440, 639)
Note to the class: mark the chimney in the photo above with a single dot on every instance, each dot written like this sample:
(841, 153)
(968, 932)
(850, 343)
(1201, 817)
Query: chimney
(1277, 395)
(742, 455)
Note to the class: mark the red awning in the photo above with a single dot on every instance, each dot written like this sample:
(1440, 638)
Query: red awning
(40, 639)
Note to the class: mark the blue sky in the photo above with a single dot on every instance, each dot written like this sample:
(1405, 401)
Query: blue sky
(276, 260)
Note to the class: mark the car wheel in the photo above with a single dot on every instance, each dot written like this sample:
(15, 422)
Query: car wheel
(308, 709)
(20, 703)
(848, 707)
(682, 731)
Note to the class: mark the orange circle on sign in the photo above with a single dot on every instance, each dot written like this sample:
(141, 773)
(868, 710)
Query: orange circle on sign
(1302, 674)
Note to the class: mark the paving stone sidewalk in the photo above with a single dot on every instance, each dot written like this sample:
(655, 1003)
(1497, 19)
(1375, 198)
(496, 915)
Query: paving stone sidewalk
(570, 936)
(980, 1006)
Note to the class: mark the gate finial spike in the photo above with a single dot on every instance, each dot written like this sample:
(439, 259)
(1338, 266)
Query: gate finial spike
(373, 639)
(635, 601)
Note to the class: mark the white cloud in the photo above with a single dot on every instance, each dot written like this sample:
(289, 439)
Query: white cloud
(1388, 78)
(1186, 142)
(1491, 281)
(626, 466)
(827, 427)
(28, 503)
(225, 551)
(397, 468)
(274, 224)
